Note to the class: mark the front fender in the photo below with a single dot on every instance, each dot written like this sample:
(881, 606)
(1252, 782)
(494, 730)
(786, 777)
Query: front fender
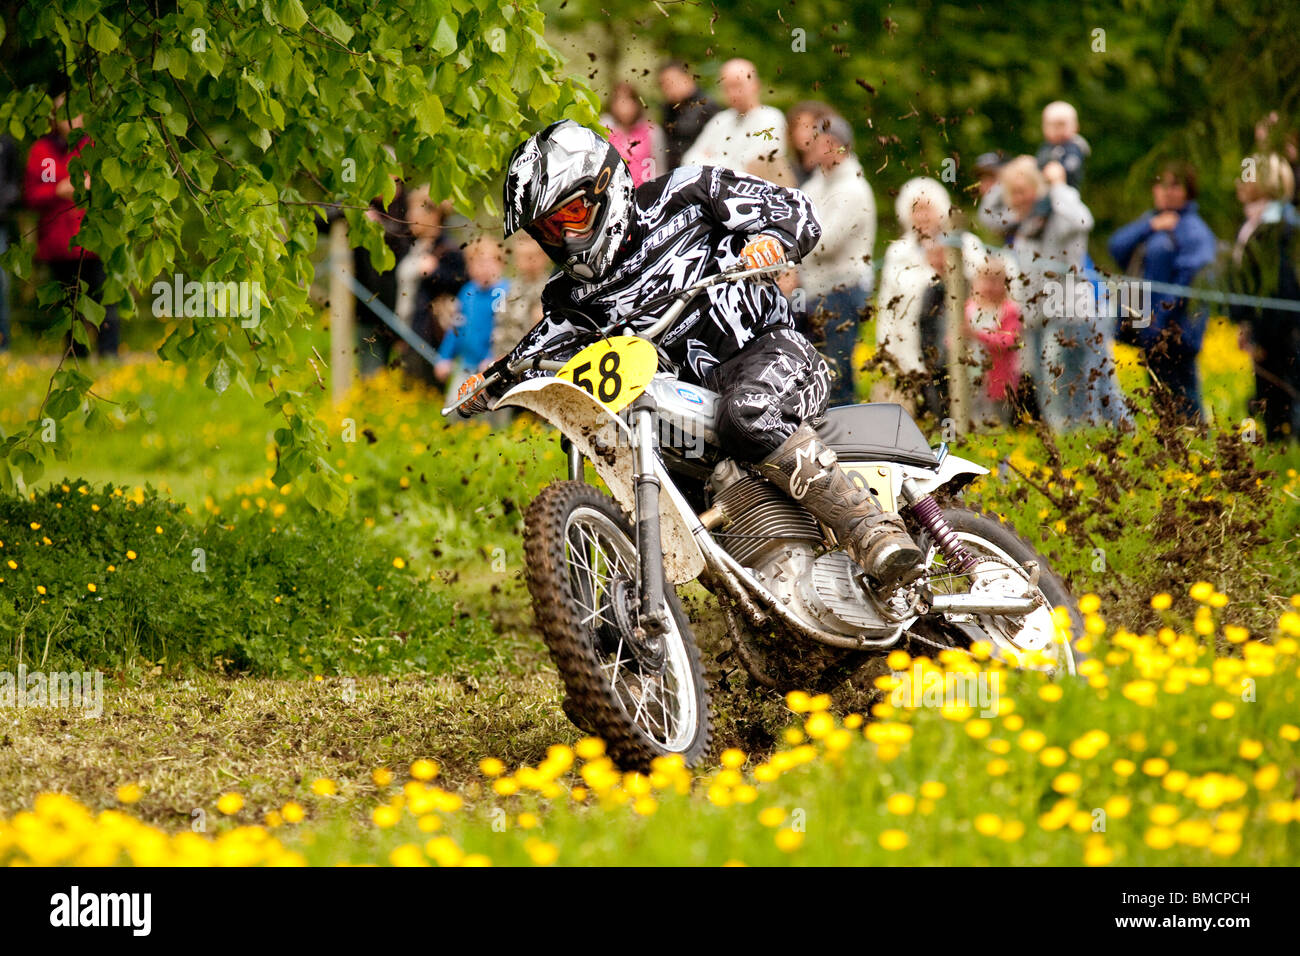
(605, 440)
(954, 471)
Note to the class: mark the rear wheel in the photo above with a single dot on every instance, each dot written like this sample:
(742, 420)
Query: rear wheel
(1005, 563)
(645, 697)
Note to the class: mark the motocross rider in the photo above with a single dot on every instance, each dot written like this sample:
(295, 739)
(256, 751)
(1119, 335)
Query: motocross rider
(617, 245)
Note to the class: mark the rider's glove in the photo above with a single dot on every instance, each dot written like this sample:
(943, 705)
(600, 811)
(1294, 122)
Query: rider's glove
(763, 250)
(468, 407)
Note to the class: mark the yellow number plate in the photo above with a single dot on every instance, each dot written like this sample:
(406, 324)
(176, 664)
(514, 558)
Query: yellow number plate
(614, 371)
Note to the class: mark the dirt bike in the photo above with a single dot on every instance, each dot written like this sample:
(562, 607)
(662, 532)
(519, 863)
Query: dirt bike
(602, 568)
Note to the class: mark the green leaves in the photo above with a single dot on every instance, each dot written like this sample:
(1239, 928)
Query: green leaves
(219, 126)
(444, 38)
(103, 36)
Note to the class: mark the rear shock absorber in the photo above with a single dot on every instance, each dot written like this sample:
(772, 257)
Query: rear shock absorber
(930, 515)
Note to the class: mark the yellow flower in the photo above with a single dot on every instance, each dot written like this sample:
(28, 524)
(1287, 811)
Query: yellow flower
(1067, 782)
(1118, 806)
(40, 589)
(1098, 854)
(1164, 814)
(382, 776)
(590, 748)
(1031, 740)
(893, 839)
(385, 816)
(1222, 710)
(771, 816)
(129, 793)
(399, 563)
(1155, 766)
(324, 787)
(788, 840)
(1124, 768)
(491, 767)
(1162, 601)
(1225, 844)
(424, 769)
(1159, 838)
(933, 789)
(998, 767)
(408, 854)
(1250, 749)
(988, 824)
(1052, 757)
(1089, 604)
(1050, 693)
(130, 555)
(91, 587)
(292, 812)
(1266, 777)
(732, 758)
(900, 804)
(1201, 591)
(230, 803)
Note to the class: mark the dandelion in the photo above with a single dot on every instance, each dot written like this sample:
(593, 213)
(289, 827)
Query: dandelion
(543, 854)
(324, 787)
(385, 816)
(893, 839)
(1222, 710)
(382, 776)
(399, 563)
(988, 824)
(900, 804)
(933, 789)
(491, 767)
(771, 816)
(129, 793)
(292, 812)
(424, 769)
(230, 803)
(131, 555)
(1067, 782)
(732, 758)
(788, 840)
(1162, 601)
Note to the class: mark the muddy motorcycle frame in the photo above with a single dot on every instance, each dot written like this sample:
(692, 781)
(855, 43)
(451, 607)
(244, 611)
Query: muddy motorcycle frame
(675, 544)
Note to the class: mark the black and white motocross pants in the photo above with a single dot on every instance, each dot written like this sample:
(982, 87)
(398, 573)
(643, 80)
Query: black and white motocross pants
(769, 388)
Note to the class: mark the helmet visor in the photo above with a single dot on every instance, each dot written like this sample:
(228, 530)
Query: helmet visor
(572, 218)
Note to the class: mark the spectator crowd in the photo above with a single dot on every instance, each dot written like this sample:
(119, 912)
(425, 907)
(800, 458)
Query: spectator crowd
(1016, 290)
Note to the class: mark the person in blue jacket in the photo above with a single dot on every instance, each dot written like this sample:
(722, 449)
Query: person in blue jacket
(1171, 243)
(469, 344)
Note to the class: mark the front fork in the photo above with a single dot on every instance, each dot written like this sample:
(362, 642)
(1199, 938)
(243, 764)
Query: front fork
(652, 616)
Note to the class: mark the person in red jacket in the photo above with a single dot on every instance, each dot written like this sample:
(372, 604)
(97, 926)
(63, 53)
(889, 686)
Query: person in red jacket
(49, 191)
(993, 330)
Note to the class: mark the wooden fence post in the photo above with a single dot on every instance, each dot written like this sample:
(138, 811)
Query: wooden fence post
(343, 344)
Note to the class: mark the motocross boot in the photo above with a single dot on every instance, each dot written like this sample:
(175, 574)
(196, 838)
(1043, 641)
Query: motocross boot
(808, 471)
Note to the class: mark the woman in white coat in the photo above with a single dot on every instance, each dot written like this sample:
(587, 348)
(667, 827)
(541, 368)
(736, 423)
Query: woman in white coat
(906, 278)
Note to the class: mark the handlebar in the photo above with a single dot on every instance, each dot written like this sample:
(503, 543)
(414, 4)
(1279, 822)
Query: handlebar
(680, 299)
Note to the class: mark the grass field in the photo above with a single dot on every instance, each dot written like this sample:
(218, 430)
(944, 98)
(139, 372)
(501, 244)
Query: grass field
(361, 738)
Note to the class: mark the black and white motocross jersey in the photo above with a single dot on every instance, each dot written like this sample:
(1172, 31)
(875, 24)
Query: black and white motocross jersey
(690, 224)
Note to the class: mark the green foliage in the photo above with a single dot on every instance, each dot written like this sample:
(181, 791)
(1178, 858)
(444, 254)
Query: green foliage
(934, 80)
(95, 578)
(219, 129)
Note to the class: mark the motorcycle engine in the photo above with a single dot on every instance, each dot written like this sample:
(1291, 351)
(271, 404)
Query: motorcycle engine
(782, 544)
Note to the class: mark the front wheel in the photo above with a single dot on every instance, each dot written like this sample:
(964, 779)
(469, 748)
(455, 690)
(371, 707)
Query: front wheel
(644, 697)
(1003, 562)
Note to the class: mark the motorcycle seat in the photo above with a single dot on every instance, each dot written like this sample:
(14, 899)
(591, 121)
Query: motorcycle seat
(875, 431)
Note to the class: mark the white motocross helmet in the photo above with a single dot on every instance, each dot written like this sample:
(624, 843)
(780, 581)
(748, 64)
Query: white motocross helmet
(569, 189)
